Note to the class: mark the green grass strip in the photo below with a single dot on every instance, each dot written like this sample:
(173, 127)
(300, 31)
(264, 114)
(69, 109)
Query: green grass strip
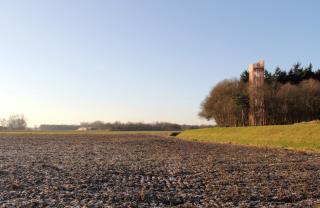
(299, 136)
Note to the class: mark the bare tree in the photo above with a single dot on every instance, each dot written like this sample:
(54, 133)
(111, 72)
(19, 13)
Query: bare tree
(17, 122)
(227, 104)
(3, 124)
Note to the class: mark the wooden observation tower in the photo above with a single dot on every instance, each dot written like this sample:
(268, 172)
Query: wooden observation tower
(256, 95)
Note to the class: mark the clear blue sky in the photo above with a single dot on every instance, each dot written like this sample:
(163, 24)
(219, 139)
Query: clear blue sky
(66, 61)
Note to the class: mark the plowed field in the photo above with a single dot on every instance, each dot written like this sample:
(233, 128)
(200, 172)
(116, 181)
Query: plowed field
(151, 171)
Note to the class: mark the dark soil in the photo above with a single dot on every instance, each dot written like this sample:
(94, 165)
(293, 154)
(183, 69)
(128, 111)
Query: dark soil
(151, 171)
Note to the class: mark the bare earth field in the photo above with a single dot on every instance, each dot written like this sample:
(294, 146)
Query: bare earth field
(151, 171)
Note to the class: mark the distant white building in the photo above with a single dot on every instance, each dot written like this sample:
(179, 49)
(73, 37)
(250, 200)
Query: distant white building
(83, 129)
(86, 129)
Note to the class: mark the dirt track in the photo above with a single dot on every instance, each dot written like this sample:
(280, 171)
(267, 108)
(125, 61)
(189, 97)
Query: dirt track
(151, 171)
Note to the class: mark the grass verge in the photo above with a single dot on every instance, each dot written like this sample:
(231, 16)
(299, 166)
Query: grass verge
(304, 137)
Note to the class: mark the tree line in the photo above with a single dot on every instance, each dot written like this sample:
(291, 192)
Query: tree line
(291, 96)
(118, 126)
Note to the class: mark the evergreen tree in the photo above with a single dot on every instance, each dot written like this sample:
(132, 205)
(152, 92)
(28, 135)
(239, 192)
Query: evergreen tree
(279, 76)
(244, 77)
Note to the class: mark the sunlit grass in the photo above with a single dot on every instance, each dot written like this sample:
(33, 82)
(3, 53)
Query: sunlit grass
(299, 136)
